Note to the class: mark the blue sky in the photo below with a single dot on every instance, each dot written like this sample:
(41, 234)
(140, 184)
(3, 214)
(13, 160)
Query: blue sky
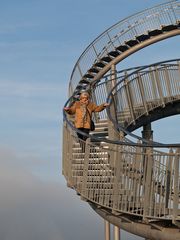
(40, 41)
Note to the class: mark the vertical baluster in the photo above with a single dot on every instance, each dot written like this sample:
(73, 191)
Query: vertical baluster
(178, 80)
(168, 178)
(129, 99)
(64, 154)
(176, 186)
(154, 86)
(117, 177)
(79, 68)
(70, 158)
(137, 177)
(149, 160)
(159, 87)
(85, 168)
(143, 95)
(94, 99)
(168, 83)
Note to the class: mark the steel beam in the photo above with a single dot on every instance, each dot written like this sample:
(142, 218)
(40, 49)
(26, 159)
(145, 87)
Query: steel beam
(116, 233)
(107, 230)
(140, 229)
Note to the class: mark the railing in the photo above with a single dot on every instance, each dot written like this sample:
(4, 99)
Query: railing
(129, 177)
(144, 90)
(139, 181)
(127, 29)
(112, 84)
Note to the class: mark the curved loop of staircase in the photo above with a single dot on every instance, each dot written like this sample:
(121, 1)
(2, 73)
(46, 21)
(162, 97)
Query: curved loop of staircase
(123, 39)
(130, 181)
(145, 95)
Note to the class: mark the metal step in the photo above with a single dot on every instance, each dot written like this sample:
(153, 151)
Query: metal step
(91, 161)
(114, 53)
(92, 166)
(106, 59)
(142, 37)
(88, 75)
(100, 64)
(132, 42)
(94, 70)
(122, 48)
(167, 28)
(84, 81)
(154, 32)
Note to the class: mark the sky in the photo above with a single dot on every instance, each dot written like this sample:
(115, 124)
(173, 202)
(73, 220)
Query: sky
(40, 42)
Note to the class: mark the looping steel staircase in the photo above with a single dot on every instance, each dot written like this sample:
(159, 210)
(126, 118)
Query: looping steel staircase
(131, 181)
(123, 39)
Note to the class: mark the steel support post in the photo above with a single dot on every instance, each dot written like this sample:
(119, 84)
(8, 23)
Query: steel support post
(147, 133)
(109, 85)
(107, 230)
(112, 133)
(95, 114)
(168, 178)
(116, 233)
(148, 180)
(176, 186)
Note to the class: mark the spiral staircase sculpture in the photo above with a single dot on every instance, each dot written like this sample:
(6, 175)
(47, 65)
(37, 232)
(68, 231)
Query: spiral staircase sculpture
(131, 181)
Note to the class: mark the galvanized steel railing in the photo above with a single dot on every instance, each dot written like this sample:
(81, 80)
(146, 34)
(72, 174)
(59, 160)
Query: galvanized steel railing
(137, 91)
(139, 181)
(127, 177)
(125, 30)
(144, 90)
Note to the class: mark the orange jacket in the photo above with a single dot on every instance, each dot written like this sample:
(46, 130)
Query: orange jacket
(91, 107)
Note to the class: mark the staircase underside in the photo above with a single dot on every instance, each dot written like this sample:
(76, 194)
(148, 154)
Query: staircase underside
(161, 230)
(170, 109)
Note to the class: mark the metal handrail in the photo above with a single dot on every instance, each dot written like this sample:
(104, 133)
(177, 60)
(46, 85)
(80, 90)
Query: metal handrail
(117, 125)
(144, 142)
(127, 28)
(87, 176)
